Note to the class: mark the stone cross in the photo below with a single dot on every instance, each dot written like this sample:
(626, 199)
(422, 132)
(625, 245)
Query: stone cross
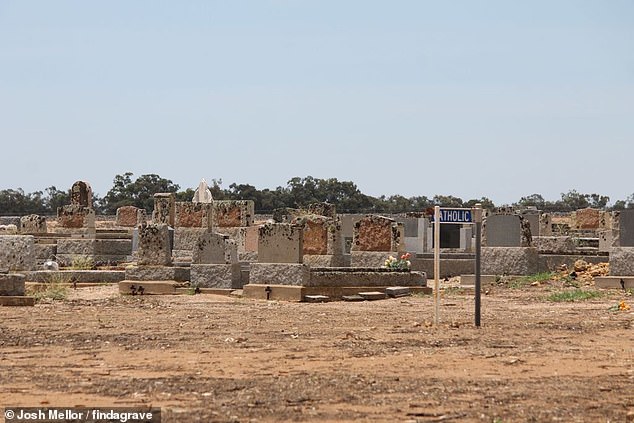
(202, 193)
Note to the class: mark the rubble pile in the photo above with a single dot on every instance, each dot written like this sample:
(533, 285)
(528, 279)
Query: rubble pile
(582, 272)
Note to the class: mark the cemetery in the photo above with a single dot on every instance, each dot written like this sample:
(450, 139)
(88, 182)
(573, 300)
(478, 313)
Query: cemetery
(214, 312)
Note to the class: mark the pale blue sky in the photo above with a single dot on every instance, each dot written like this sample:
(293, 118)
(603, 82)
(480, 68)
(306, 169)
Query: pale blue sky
(501, 99)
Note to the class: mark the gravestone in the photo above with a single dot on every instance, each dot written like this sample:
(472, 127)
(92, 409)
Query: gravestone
(280, 243)
(154, 245)
(33, 224)
(587, 218)
(316, 236)
(81, 194)
(75, 216)
(17, 252)
(214, 248)
(506, 230)
(545, 225)
(9, 229)
(533, 221)
(12, 284)
(449, 236)
(164, 208)
(232, 213)
(130, 216)
(322, 209)
(625, 220)
(215, 262)
(193, 215)
(202, 193)
(466, 238)
(377, 233)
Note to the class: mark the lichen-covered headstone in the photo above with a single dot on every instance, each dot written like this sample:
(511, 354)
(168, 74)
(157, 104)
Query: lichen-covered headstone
(130, 216)
(231, 213)
(154, 245)
(33, 224)
(377, 233)
(193, 215)
(164, 208)
(280, 243)
(214, 248)
(81, 194)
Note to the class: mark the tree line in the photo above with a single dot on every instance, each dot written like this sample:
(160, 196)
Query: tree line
(298, 192)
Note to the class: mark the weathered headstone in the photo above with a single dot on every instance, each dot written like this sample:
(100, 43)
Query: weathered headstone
(533, 221)
(231, 213)
(81, 194)
(215, 262)
(545, 225)
(154, 245)
(33, 224)
(322, 209)
(280, 243)
(164, 208)
(377, 233)
(202, 193)
(17, 252)
(316, 236)
(130, 216)
(75, 216)
(214, 248)
(193, 215)
(9, 229)
(12, 284)
(588, 218)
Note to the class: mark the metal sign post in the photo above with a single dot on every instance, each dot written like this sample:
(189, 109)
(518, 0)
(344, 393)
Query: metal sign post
(457, 216)
(436, 263)
(477, 214)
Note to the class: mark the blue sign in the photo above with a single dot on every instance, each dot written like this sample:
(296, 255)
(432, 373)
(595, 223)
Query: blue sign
(454, 216)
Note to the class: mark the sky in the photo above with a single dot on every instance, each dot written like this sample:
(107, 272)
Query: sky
(494, 98)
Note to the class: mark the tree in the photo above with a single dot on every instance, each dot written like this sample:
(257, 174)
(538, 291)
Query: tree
(485, 202)
(448, 201)
(139, 193)
(533, 200)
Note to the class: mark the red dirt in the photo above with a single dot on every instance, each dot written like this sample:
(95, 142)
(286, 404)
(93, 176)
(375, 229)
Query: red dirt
(211, 358)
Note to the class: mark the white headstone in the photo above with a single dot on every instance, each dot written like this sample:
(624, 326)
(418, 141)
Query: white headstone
(202, 193)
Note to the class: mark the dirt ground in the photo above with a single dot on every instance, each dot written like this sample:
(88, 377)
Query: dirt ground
(214, 358)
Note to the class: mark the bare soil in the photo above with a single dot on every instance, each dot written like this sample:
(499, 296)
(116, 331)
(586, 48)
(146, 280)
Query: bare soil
(213, 358)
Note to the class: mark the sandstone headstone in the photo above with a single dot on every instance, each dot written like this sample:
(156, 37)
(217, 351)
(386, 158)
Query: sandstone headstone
(164, 208)
(130, 216)
(588, 218)
(202, 193)
(377, 233)
(81, 194)
(193, 215)
(316, 235)
(322, 209)
(33, 224)
(75, 216)
(230, 213)
(280, 243)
